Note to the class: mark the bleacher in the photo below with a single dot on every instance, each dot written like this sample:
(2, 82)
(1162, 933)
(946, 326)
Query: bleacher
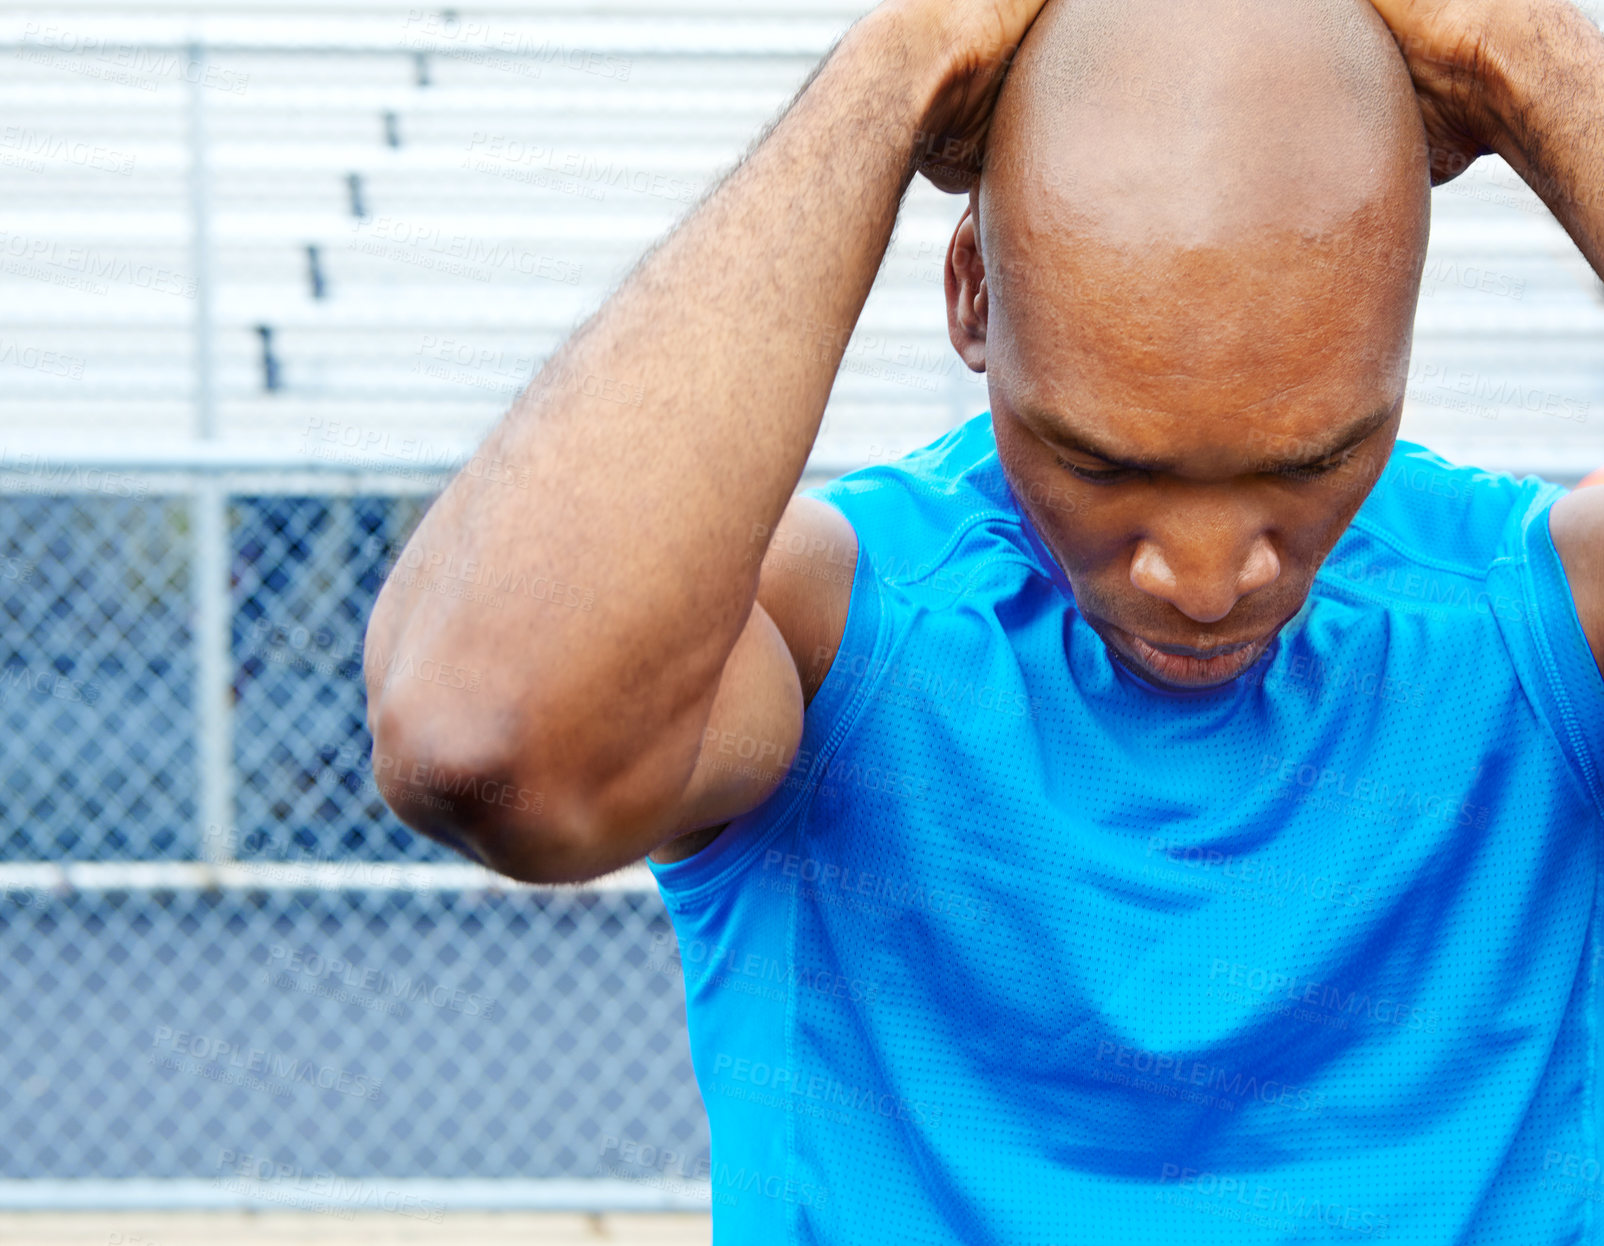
(407, 209)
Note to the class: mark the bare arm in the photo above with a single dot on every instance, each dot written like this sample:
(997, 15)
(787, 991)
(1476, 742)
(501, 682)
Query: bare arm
(1550, 103)
(1548, 64)
(662, 443)
(1524, 78)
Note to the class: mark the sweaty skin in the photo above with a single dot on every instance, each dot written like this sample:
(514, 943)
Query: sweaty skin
(1190, 272)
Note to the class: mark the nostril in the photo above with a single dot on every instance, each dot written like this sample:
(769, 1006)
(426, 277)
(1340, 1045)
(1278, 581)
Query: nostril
(1261, 568)
(1150, 572)
(1206, 596)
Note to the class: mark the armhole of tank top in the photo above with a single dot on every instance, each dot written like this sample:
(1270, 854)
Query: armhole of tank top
(1552, 655)
(825, 724)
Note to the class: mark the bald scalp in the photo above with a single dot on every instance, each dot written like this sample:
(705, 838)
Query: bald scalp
(1076, 46)
(1149, 127)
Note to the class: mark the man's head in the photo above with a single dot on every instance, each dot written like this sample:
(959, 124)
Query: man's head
(1190, 271)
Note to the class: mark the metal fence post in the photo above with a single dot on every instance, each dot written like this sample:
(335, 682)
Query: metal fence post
(201, 245)
(210, 565)
(214, 688)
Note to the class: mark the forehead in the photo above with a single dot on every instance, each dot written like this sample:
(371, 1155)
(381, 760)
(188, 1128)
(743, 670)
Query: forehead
(1205, 351)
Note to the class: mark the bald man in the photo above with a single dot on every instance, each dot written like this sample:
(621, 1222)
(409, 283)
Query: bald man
(1167, 807)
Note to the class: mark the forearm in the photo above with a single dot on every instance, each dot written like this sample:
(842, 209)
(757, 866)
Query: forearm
(1546, 81)
(725, 341)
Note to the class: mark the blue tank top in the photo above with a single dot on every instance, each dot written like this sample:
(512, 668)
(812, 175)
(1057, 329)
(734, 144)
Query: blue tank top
(1028, 952)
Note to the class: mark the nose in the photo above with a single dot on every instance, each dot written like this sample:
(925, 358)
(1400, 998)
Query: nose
(1204, 568)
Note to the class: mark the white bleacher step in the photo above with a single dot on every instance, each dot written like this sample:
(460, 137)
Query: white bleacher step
(548, 38)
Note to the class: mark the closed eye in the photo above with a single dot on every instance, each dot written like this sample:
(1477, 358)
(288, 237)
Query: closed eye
(1312, 471)
(1095, 474)
(1109, 475)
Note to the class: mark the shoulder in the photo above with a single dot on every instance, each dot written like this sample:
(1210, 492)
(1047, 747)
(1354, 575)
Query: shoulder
(1468, 565)
(918, 516)
(805, 585)
(900, 526)
(1443, 512)
(1576, 525)
(1433, 533)
(876, 514)
(952, 470)
(1489, 549)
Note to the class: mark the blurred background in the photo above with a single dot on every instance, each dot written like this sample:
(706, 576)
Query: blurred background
(267, 274)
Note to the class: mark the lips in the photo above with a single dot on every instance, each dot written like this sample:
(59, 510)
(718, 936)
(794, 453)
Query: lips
(1179, 664)
(1185, 651)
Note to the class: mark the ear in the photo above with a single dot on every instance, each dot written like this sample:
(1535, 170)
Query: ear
(966, 292)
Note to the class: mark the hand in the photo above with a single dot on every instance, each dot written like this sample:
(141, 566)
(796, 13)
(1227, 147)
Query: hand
(978, 40)
(1447, 46)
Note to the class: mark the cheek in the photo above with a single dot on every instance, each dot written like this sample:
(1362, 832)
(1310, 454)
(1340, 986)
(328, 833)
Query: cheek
(1313, 530)
(1055, 504)
(1346, 494)
(1061, 507)
(1091, 534)
(1071, 517)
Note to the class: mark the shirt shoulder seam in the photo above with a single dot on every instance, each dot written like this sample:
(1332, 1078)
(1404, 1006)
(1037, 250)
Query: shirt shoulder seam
(1379, 534)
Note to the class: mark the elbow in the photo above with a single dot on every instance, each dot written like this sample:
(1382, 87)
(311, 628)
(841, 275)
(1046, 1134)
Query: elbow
(463, 782)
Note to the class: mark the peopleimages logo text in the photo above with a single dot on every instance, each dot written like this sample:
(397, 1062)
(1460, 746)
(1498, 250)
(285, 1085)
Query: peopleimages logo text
(790, 1083)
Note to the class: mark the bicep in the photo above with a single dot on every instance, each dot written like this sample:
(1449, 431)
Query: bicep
(751, 736)
(782, 656)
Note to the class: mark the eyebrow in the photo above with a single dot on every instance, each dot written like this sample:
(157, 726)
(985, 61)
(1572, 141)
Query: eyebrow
(1343, 439)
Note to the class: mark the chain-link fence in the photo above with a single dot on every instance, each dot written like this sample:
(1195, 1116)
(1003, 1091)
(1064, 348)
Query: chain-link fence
(227, 967)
